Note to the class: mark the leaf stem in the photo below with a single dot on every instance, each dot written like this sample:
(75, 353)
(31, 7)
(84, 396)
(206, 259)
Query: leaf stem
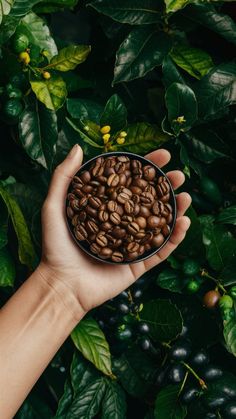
(207, 275)
(183, 383)
(199, 379)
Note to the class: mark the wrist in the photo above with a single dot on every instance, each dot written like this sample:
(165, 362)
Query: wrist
(64, 293)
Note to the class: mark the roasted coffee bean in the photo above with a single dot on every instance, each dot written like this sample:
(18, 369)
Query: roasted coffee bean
(133, 227)
(133, 247)
(80, 233)
(91, 211)
(115, 218)
(112, 206)
(117, 256)
(85, 176)
(153, 221)
(113, 180)
(106, 226)
(101, 239)
(120, 207)
(157, 240)
(95, 248)
(141, 221)
(103, 215)
(105, 253)
(149, 172)
(91, 226)
(129, 206)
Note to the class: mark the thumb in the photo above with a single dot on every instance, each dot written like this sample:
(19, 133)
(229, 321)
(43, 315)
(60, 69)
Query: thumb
(63, 175)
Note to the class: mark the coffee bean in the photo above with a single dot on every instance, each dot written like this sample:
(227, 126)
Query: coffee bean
(75, 205)
(83, 202)
(91, 211)
(132, 256)
(70, 212)
(117, 243)
(165, 230)
(118, 232)
(153, 221)
(165, 198)
(135, 198)
(146, 198)
(101, 190)
(133, 247)
(147, 247)
(113, 180)
(78, 192)
(103, 215)
(120, 210)
(112, 206)
(109, 171)
(136, 190)
(102, 180)
(82, 216)
(158, 207)
(123, 159)
(91, 226)
(129, 206)
(157, 240)
(85, 176)
(162, 222)
(95, 248)
(140, 235)
(80, 233)
(141, 221)
(77, 181)
(141, 250)
(120, 167)
(147, 238)
(75, 220)
(115, 218)
(141, 183)
(105, 253)
(126, 219)
(122, 179)
(136, 209)
(106, 226)
(117, 256)
(133, 227)
(124, 195)
(144, 212)
(169, 218)
(95, 202)
(151, 189)
(149, 172)
(101, 239)
(87, 188)
(97, 170)
(71, 196)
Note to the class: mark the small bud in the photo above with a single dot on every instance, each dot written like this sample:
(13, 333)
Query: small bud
(105, 129)
(123, 134)
(46, 75)
(24, 57)
(180, 120)
(86, 128)
(106, 138)
(120, 140)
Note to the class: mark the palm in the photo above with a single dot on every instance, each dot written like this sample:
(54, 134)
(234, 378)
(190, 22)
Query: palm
(96, 282)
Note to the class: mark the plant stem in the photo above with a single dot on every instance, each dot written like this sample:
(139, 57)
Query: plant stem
(206, 274)
(200, 380)
(183, 383)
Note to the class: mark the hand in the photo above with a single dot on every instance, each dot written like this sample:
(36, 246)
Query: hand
(93, 282)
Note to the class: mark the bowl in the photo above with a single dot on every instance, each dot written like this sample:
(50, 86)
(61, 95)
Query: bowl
(84, 244)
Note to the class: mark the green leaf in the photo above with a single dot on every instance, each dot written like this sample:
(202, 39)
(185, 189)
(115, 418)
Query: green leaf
(216, 91)
(91, 341)
(193, 60)
(229, 333)
(174, 5)
(113, 404)
(7, 268)
(26, 250)
(34, 408)
(8, 27)
(228, 273)
(139, 12)
(164, 319)
(227, 215)
(50, 6)
(51, 92)
(3, 224)
(170, 72)
(207, 15)
(84, 109)
(69, 57)
(38, 133)
(170, 280)
(167, 404)
(5, 7)
(114, 114)
(129, 377)
(224, 386)
(219, 243)
(82, 135)
(143, 50)
(82, 373)
(182, 107)
(38, 33)
(192, 245)
(86, 404)
(64, 402)
(142, 138)
(21, 7)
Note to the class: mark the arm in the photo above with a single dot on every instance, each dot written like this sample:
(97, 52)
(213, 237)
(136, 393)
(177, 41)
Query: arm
(42, 313)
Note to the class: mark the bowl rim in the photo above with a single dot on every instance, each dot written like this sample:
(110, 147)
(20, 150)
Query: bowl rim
(149, 253)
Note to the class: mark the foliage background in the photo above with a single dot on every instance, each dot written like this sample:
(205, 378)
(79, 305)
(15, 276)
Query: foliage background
(168, 68)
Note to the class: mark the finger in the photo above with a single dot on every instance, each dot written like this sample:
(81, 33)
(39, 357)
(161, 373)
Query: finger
(181, 227)
(183, 202)
(176, 178)
(63, 174)
(159, 157)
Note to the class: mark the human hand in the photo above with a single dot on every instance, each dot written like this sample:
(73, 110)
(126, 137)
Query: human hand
(94, 282)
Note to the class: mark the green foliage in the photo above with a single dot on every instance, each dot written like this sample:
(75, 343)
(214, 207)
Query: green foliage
(164, 73)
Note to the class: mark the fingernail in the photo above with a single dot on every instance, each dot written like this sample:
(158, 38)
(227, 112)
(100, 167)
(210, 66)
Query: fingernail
(73, 151)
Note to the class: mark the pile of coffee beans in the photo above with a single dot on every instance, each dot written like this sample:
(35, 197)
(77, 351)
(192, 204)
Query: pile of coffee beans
(120, 208)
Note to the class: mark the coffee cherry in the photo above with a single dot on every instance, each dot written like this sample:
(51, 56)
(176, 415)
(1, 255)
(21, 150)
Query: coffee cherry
(199, 359)
(106, 138)
(105, 129)
(176, 373)
(124, 333)
(24, 57)
(137, 294)
(123, 308)
(225, 302)
(190, 267)
(211, 298)
(143, 328)
(180, 351)
(145, 343)
(120, 140)
(190, 395)
(229, 411)
(46, 75)
(123, 296)
(214, 402)
(123, 134)
(211, 373)
(192, 286)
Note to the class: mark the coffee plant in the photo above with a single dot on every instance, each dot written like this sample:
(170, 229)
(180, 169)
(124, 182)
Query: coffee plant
(128, 75)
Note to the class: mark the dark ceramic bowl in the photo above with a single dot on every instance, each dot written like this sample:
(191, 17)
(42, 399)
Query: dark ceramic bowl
(84, 245)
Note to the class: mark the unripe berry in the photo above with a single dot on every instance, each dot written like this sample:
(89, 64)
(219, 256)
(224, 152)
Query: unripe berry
(123, 134)
(24, 57)
(120, 140)
(46, 75)
(106, 129)
(106, 138)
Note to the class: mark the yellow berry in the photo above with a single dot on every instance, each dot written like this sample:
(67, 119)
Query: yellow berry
(105, 129)
(46, 75)
(24, 57)
(120, 140)
(123, 134)
(106, 138)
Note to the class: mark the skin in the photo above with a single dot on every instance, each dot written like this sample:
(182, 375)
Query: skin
(67, 284)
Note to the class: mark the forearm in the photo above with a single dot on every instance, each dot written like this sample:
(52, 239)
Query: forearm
(33, 325)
